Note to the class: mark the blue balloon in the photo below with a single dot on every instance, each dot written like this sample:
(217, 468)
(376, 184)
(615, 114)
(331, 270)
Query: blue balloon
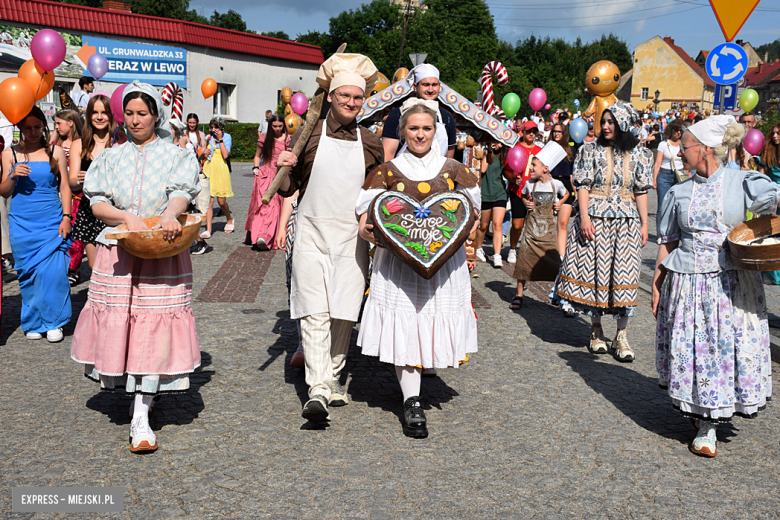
(576, 102)
(578, 129)
(97, 65)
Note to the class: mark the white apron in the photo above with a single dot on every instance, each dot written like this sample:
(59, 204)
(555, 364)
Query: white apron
(330, 260)
(440, 141)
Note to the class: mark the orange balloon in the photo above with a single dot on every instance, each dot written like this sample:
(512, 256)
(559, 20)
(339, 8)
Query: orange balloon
(292, 123)
(287, 95)
(208, 88)
(16, 99)
(41, 81)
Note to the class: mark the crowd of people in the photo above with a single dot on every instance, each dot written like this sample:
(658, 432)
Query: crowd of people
(576, 215)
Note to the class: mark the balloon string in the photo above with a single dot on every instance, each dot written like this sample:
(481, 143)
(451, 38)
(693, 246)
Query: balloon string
(114, 139)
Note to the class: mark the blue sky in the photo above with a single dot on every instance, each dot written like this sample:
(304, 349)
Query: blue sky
(691, 23)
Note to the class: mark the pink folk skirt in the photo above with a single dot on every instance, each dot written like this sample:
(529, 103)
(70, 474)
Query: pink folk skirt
(137, 329)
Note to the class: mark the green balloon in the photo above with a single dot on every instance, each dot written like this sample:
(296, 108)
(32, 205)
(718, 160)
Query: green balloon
(510, 105)
(748, 100)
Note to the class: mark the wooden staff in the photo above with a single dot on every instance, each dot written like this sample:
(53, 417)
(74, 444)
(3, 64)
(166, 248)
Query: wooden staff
(315, 109)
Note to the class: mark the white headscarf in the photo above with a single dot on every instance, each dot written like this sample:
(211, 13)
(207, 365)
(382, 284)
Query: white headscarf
(710, 132)
(420, 72)
(162, 129)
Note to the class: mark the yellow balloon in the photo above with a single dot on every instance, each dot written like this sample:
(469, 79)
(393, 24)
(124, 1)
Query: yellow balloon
(381, 84)
(748, 100)
(400, 74)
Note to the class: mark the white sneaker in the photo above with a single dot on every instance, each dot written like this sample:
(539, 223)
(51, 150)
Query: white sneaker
(142, 436)
(481, 255)
(705, 443)
(497, 261)
(34, 335)
(511, 258)
(55, 335)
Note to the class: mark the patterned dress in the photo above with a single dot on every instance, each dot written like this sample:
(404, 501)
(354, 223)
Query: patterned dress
(602, 276)
(137, 330)
(712, 336)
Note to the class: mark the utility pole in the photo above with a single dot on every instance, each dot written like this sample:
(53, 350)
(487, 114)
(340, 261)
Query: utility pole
(407, 11)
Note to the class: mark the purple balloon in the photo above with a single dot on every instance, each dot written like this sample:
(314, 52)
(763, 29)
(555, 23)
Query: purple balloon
(48, 49)
(299, 103)
(116, 103)
(537, 98)
(754, 142)
(97, 65)
(548, 106)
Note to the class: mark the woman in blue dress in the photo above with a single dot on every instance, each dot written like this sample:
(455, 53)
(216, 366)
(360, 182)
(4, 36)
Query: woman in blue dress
(36, 175)
(712, 339)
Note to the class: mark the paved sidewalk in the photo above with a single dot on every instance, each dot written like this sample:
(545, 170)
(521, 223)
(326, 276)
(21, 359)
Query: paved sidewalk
(532, 427)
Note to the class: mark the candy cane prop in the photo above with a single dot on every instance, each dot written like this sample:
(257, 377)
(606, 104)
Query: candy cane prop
(172, 93)
(486, 80)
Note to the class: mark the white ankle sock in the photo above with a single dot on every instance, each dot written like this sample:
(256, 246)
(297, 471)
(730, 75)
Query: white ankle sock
(622, 322)
(409, 379)
(142, 404)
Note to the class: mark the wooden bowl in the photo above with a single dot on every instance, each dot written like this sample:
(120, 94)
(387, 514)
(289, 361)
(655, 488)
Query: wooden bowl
(758, 257)
(150, 245)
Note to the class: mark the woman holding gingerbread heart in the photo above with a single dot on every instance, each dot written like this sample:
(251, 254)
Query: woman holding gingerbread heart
(408, 320)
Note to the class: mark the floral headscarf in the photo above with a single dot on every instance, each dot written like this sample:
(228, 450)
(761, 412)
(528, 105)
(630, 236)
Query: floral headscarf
(625, 114)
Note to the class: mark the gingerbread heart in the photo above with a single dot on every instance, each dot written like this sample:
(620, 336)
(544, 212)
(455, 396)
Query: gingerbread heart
(422, 234)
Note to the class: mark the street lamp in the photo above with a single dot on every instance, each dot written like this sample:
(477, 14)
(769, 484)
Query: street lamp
(656, 100)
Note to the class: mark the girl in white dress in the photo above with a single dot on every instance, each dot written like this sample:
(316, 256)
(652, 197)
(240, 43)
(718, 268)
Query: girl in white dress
(409, 321)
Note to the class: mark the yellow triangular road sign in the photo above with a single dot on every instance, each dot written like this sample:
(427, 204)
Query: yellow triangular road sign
(732, 15)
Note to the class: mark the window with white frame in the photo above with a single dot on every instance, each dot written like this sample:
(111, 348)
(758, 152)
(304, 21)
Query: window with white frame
(645, 91)
(223, 100)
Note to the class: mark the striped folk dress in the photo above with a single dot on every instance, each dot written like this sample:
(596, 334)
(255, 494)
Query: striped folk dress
(137, 330)
(602, 276)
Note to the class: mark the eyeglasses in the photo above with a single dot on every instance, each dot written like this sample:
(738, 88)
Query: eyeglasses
(346, 98)
(683, 147)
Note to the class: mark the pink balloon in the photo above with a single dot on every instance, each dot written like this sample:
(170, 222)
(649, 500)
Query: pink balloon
(299, 103)
(537, 98)
(517, 159)
(548, 106)
(754, 142)
(48, 49)
(116, 103)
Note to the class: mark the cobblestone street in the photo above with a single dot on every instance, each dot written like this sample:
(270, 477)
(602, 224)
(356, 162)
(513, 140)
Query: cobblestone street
(533, 426)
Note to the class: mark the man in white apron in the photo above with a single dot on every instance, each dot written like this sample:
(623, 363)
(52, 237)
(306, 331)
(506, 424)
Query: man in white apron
(330, 260)
(425, 79)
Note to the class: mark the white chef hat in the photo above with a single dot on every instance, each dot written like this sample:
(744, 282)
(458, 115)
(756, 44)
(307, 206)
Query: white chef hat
(551, 154)
(420, 72)
(348, 69)
(711, 131)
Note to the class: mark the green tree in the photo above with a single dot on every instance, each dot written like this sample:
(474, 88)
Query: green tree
(229, 20)
(317, 38)
(372, 29)
(277, 34)
(772, 48)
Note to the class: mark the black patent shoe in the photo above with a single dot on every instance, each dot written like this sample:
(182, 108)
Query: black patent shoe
(415, 424)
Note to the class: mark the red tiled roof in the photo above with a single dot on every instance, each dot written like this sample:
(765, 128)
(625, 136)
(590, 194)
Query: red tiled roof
(687, 59)
(119, 23)
(756, 75)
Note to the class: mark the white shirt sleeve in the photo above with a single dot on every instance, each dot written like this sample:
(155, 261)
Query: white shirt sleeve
(365, 199)
(560, 189)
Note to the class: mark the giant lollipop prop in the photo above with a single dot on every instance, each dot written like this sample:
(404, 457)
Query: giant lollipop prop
(172, 96)
(486, 81)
